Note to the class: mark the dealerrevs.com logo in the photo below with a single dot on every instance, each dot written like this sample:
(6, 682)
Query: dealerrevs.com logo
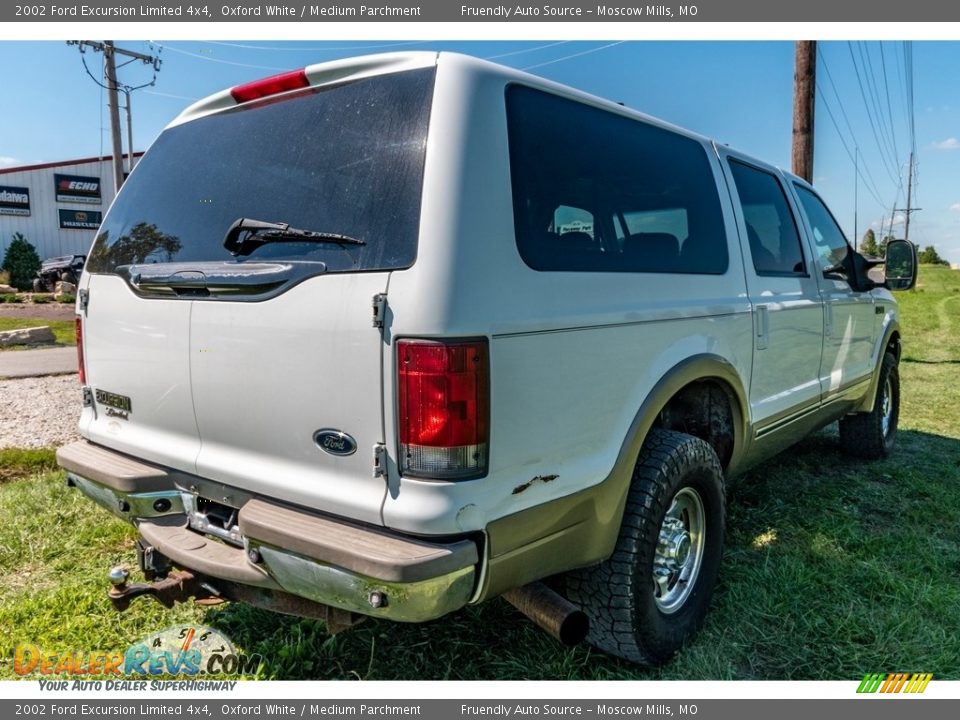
(182, 650)
(895, 683)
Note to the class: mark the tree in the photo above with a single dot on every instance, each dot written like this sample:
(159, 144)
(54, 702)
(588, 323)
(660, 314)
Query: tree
(930, 256)
(144, 244)
(882, 247)
(868, 246)
(21, 262)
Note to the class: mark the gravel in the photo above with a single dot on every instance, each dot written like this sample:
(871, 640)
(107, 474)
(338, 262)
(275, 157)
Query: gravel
(39, 412)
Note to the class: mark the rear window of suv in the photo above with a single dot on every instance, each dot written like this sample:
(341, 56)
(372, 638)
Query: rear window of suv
(345, 159)
(597, 191)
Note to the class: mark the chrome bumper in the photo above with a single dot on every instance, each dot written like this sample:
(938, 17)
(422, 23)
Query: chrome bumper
(279, 548)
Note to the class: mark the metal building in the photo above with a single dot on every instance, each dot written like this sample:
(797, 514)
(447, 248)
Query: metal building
(56, 206)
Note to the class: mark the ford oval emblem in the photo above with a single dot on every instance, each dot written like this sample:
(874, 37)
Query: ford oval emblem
(335, 442)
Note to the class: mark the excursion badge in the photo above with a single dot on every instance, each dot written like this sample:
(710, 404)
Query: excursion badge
(117, 405)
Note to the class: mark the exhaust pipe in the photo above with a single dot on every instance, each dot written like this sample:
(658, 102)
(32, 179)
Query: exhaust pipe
(551, 611)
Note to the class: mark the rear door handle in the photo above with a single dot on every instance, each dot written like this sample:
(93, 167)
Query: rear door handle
(215, 279)
(762, 324)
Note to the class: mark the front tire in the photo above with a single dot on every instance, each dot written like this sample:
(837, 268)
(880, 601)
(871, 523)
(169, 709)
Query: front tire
(871, 435)
(652, 594)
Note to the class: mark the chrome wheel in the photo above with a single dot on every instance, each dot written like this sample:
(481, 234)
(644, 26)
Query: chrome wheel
(886, 406)
(676, 563)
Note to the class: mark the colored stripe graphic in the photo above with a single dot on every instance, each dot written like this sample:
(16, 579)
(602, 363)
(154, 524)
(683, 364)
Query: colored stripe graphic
(894, 682)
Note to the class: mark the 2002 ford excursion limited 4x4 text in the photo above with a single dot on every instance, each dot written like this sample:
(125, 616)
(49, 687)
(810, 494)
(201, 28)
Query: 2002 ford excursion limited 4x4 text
(392, 335)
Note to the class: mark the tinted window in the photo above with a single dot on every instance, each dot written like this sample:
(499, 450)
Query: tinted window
(828, 238)
(771, 228)
(645, 198)
(346, 159)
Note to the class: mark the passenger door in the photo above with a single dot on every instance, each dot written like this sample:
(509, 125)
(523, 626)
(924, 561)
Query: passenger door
(849, 327)
(788, 313)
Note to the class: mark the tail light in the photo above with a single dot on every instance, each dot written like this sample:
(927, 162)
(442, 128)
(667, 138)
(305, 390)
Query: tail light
(444, 408)
(78, 331)
(270, 86)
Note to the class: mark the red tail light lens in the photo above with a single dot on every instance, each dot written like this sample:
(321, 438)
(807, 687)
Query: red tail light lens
(270, 86)
(444, 408)
(78, 332)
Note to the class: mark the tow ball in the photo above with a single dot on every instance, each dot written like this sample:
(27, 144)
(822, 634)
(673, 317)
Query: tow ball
(177, 586)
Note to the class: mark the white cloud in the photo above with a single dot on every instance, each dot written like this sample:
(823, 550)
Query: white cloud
(950, 143)
(6, 161)
(955, 207)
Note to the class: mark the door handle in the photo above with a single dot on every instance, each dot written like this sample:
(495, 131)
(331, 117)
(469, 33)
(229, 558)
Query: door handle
(212, 279)
(762, 326)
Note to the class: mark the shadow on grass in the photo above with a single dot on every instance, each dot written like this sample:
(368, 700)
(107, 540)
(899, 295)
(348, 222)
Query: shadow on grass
(832, 568)
(930, 362)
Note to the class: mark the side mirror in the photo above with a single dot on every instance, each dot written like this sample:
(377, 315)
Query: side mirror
(900, 267)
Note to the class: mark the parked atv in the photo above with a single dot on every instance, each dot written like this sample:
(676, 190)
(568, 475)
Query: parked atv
(66, 268)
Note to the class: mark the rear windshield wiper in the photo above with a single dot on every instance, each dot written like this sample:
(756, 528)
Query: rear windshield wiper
(246, 235)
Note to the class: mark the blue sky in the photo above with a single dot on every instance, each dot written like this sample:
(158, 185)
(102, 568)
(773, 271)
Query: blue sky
(739, 93)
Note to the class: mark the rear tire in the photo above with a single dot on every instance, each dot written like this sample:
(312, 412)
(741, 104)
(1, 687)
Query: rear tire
(871, 435)
(652, 594)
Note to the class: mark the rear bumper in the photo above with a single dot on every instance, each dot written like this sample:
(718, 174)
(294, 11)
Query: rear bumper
(277, 547)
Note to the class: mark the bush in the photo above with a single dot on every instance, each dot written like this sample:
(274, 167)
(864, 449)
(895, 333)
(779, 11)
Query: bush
(41, 299)
(21, 262)
(67, 299)
(9, 298)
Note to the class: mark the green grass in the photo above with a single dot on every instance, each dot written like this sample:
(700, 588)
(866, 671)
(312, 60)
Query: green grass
(832, 568)
(63, 330)
(25, 462)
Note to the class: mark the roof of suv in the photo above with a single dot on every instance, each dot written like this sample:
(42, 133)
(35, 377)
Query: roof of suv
(369, 65)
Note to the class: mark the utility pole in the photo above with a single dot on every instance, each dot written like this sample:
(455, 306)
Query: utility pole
(804, 87)
(110, 72)
(856, 169)
(110, 52)
(126, 93)
(908, 210)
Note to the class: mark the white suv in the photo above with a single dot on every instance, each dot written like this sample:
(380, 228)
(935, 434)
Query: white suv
(391, 335)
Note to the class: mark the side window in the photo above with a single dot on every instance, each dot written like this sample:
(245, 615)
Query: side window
(771, 228)
(828, 238)
(597, 191)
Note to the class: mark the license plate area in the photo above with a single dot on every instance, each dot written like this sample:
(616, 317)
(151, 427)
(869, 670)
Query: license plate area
(209, 517)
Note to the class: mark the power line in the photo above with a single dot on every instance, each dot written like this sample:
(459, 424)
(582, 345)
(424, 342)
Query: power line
(170, 95)
(866, 104)
(527, 50)
(579, 54)
(873, 88)
(908, 71)
(218, 60)
(317, 48)
(843, 142)
(886, 87)
(853, 136)
(112, 86)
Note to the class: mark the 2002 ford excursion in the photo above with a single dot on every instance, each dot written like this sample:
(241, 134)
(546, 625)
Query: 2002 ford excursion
(391, 335)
